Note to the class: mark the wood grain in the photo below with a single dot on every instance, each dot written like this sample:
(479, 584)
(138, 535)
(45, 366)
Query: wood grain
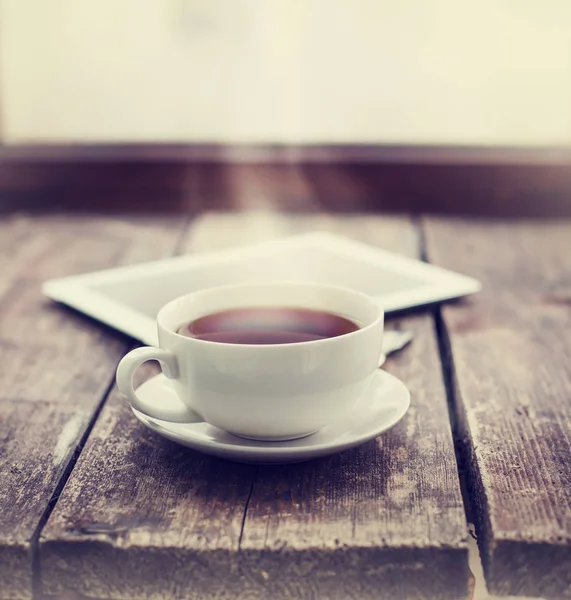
(142, 518)
(56, 364)
(384, 520)
(512, 364)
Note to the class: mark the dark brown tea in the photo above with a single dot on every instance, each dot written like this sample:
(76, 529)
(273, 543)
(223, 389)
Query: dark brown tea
(267, 325)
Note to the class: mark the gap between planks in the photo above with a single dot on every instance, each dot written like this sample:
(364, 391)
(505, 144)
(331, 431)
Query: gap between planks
(34, 544)
(479, 590)
(448, 376)
(461, 449)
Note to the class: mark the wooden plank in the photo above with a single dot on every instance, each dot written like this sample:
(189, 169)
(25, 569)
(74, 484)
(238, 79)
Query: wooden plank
(512, 365)
(160, 522)
(142, 517)
(383, 521)
(56, 364)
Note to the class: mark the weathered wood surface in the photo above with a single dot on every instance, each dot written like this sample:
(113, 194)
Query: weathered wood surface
(56, 364)
(142, 518)
(511, 349)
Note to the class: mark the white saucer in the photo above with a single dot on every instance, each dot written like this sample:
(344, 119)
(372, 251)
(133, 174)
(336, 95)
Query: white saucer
(385, 405)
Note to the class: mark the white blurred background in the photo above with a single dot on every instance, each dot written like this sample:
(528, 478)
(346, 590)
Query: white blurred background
(492, 72)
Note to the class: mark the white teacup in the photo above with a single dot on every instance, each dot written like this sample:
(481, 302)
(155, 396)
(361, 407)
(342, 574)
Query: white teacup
(264, 392)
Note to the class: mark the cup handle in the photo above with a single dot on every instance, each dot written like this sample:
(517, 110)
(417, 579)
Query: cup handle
(169, 365)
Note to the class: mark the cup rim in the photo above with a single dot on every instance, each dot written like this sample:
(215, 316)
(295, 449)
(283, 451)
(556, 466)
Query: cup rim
(322, 286)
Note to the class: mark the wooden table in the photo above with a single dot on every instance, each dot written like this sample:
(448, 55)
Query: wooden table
(92, 501)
